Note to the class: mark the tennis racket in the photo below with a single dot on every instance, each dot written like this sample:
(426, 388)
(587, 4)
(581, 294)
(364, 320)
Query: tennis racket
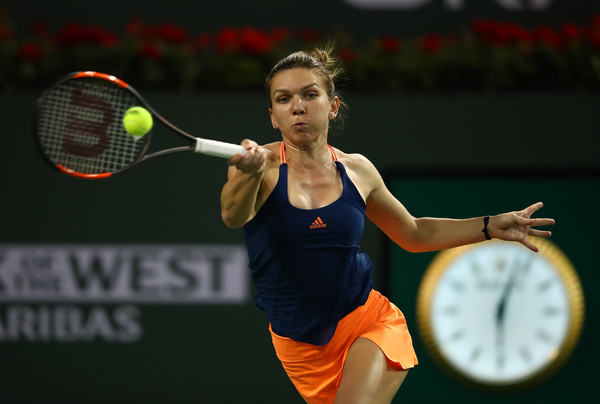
(78, 125)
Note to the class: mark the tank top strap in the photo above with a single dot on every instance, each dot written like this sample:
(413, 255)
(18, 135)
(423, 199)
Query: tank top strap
(282, 158)
(333, 155)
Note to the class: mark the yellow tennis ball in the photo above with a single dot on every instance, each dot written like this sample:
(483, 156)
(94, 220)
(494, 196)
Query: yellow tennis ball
(137, 121)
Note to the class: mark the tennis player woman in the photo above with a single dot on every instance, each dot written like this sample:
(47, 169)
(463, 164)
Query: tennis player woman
(302, 204)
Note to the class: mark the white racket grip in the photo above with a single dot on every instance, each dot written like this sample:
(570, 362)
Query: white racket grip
(218, 149)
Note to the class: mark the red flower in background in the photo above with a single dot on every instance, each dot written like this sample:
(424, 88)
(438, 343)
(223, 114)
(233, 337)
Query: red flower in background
(489, 31)
(231, 44)
(227, 40)
(390, 44)
(71, 33)
(592, 31)
(203, 41)
(495, 33)
(571, 31)
(279, 36)
(30, 51)
(546, 35)
(594, 37)
(308, 35)
(136, 28)
(171, 33)
(431, 43)
(99, 36)
(515, 33)
(254, 42)
(77, 34)
(152, 51)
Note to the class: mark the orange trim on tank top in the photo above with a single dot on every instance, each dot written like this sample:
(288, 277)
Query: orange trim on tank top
(283, 159)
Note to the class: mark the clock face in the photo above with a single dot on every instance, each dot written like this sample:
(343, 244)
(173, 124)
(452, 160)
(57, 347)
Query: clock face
(498, 314)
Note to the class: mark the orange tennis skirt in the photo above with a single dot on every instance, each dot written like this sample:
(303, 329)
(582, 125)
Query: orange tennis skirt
(316, 371)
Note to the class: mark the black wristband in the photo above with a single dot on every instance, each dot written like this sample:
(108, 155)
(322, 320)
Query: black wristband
(486, 220)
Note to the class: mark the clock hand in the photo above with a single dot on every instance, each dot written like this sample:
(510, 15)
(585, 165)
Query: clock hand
(501, 311)
(519, 266)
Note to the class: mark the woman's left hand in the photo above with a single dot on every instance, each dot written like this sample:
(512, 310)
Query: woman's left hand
(516, 226)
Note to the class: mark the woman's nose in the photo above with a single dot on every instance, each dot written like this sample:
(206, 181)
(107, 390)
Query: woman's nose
(299, 106)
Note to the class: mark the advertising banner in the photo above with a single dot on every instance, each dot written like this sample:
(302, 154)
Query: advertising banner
(70, 293)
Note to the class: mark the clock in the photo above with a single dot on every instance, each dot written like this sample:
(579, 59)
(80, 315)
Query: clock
(498, 315)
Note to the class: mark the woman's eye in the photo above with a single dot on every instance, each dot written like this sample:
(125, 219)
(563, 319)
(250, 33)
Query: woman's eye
(283, 99)
(311, 95)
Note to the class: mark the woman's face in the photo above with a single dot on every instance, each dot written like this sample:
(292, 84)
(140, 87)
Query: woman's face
(300, 107)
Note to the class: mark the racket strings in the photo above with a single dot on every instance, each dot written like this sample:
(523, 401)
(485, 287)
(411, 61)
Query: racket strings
(80, 126)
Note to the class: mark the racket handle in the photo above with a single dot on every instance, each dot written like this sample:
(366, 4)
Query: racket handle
(218, 149)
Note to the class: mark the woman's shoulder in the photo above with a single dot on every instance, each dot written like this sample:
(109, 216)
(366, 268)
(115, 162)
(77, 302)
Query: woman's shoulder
(362, 172)
(354, 161)
(273, 148)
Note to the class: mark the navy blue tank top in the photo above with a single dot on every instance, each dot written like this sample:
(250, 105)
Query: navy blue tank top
(306, 264)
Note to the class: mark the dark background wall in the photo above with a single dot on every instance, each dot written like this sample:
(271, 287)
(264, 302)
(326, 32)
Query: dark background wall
(221, 352)
(424, 16)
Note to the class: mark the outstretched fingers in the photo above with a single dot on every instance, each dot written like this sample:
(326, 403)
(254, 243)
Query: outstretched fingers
(525, 241)
(531, 224)
(524, 217)
(530, 210)
(516, 226)
(539, 233)
(542, 222)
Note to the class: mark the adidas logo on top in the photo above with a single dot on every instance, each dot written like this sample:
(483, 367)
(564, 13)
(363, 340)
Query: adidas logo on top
(317, 224)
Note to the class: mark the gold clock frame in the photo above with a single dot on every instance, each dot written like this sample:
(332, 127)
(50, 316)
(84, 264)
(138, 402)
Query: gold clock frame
(574, 290)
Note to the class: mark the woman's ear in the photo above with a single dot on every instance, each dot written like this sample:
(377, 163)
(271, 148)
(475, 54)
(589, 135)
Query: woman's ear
(273, 120)
(334, 107)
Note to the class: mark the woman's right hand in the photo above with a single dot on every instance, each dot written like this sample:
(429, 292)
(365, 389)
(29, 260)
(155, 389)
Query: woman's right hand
(253, 161)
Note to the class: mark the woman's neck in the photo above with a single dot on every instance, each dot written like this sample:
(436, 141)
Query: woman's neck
(308, 156)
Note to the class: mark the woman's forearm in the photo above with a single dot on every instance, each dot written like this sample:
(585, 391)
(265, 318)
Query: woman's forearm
(238, 198)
